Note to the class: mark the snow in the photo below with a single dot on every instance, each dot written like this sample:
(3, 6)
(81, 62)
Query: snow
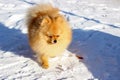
(96, 37)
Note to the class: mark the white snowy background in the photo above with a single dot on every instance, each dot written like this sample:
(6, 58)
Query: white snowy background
(96, 37)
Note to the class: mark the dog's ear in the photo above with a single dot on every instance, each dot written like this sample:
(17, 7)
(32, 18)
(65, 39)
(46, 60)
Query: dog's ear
(46, 20)
(59, 18)
(42, 20)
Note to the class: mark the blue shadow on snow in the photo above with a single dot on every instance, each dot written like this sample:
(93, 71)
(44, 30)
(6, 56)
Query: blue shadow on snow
(13, 40)
(101, 52)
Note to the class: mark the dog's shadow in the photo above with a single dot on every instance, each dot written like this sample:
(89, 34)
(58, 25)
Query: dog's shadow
(12, 40)
(100, 52)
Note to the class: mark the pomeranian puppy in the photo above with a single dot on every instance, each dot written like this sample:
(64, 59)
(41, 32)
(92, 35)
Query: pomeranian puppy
(48, 31)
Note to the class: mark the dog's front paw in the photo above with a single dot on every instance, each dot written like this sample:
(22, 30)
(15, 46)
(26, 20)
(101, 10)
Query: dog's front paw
(45, 66)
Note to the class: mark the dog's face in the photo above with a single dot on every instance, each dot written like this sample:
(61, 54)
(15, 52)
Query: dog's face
(52, 29)
(53, 39)
(53, 34)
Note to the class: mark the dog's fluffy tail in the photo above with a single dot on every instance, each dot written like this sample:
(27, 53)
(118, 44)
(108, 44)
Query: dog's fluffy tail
(40, 9)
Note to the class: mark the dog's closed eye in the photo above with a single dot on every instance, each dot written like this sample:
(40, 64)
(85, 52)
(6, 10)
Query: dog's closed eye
(57, 35)
(54, 36)
(50, 36)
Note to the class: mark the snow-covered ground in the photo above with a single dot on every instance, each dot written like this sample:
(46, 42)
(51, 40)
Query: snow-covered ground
(96, 37)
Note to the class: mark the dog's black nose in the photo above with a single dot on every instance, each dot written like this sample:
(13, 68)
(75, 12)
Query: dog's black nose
(55, 41)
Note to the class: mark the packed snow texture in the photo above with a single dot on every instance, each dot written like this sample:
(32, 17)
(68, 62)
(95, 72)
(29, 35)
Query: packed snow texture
(96, 37)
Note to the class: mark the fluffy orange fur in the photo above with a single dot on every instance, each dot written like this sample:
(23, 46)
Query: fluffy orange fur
(48, 31)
